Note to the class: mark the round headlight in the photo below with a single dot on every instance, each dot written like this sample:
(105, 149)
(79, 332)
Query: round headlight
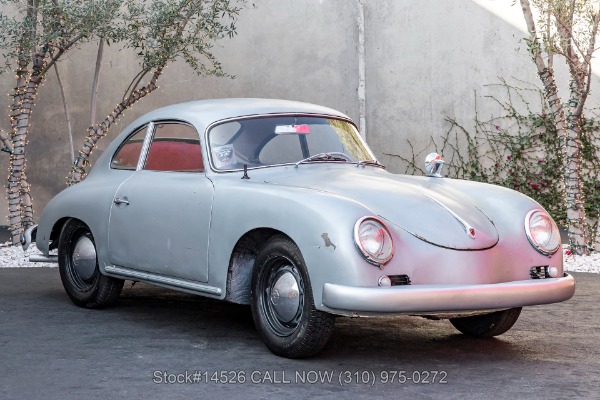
(542, 232)
(373, 240)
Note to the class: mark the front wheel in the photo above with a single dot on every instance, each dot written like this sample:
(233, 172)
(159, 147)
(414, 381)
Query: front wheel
(487, 325)
(282, 303)
(78, 267)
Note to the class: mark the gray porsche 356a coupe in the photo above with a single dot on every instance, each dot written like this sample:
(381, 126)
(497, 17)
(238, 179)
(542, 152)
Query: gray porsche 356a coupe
(281, 205)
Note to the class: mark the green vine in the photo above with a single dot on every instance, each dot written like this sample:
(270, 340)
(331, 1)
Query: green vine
(518, 149)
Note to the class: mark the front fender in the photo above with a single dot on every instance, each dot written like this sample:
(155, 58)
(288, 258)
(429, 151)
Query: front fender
(319, 223)
(307, 216)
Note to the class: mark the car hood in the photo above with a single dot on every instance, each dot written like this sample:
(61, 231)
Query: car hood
(427, 208)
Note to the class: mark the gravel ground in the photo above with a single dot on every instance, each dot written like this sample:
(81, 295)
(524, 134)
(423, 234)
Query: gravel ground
(589, 263)
(13, 257)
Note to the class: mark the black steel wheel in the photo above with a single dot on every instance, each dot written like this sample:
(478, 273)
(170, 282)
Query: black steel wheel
(487, 325)
(282, 304)
(78, 267)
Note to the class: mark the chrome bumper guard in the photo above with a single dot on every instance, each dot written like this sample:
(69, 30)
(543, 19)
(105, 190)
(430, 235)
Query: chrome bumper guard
(43, 259)
(447, 298)
(28, 237)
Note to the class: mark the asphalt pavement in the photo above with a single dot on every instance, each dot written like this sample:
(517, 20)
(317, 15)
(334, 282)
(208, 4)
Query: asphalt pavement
(157, 343)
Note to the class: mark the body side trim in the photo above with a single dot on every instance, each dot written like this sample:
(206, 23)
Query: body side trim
(163, 280)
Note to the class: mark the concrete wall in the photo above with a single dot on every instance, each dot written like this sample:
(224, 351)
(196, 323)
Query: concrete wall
(423, 61)
(430, 59)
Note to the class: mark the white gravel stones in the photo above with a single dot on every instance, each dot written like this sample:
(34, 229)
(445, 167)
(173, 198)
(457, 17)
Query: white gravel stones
(589, 263)
(14, 257)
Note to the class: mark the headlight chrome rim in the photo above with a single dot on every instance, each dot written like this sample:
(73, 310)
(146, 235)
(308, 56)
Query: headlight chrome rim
(530, 236)
(380, 262)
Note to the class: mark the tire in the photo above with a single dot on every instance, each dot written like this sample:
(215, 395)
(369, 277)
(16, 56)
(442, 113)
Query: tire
(290, 326)
(78, 267)
(487, 325)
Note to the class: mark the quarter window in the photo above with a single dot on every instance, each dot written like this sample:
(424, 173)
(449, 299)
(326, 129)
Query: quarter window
(128, 154)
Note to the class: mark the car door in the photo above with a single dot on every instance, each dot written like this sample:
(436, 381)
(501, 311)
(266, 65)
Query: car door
(160, 216)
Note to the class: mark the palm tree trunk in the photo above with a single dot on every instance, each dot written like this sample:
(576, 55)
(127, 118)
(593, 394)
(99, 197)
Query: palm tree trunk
(20, 110)
(19, 197)
(578, 230)
(569, 131)
(19, 126)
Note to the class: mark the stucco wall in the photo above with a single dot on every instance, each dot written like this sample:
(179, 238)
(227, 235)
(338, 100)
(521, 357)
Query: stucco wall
(423, 59)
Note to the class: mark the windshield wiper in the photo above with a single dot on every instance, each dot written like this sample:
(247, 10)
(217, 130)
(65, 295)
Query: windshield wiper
(373, 163)
(332, 156)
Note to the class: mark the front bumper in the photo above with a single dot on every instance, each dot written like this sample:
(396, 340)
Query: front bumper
(447, 298)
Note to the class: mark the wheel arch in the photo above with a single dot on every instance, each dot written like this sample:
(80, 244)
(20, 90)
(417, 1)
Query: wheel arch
(56, 229)
(241, 263)
(58, 226)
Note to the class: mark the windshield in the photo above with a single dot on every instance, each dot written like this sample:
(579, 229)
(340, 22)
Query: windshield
(277, 140)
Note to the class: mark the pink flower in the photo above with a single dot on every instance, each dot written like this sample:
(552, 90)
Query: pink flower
(541, 160)
(543, 115)
(496, 165)
(508, 158)
(497, 127)
(568, 252)
(535, 186)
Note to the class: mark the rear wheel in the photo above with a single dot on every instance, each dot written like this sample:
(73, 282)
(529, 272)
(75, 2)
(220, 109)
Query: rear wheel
(78, 267)
(282, 302)
(487, 325)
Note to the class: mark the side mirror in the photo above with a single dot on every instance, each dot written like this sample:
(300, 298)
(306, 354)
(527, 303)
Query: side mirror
(433, 165)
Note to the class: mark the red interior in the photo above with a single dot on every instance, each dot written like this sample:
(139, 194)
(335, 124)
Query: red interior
(175, 156)
(164, 156)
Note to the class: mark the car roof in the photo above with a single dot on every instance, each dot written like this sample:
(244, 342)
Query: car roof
(202, 113)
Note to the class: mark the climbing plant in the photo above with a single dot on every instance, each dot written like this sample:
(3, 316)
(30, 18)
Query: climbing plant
(519, 149)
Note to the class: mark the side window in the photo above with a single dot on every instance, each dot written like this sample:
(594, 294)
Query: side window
(128, 154)
(175, 147)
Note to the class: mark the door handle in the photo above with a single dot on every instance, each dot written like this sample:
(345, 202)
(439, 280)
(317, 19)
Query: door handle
(118, 201)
